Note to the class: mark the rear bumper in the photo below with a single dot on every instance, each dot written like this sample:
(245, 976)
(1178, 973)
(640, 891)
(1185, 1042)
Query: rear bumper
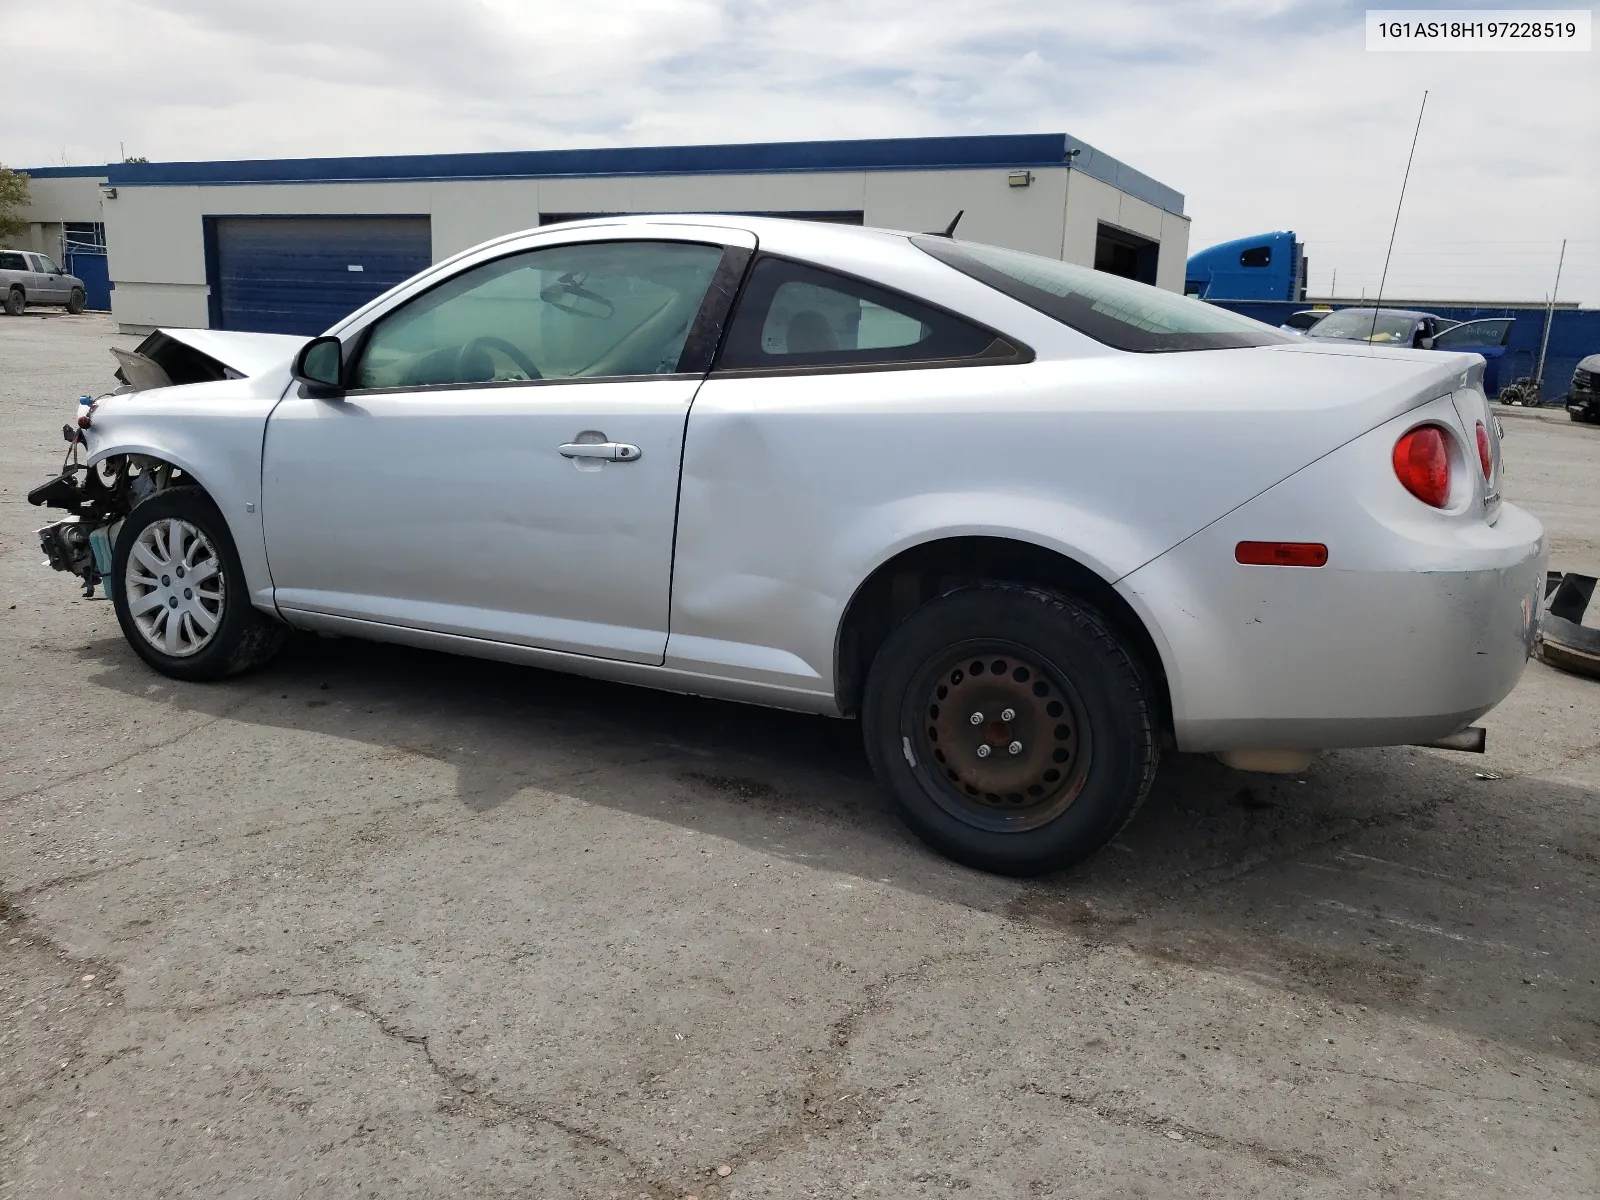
(1419, 624)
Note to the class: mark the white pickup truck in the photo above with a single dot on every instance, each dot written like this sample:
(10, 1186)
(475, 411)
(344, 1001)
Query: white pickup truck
(28, 278)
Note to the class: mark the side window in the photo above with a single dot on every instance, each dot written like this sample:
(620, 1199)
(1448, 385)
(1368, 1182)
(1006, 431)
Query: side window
(567, 312)
(794, 315)
(1256, 256)
(10, 260)
(48, 265)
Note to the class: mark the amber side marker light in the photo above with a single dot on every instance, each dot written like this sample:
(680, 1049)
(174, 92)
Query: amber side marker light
(1281, 554)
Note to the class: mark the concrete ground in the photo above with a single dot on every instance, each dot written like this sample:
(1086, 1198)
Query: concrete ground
(382, 922)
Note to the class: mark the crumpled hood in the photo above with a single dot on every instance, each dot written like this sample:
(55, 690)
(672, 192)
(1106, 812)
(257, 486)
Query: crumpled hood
(244, 353)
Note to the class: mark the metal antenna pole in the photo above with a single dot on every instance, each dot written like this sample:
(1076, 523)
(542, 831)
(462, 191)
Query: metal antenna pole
(1382, 279)
(1549, 315)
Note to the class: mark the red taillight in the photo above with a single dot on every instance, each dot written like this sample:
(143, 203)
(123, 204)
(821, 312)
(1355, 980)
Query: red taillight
(1281, 554)
(1422, 464)
(1485, 456)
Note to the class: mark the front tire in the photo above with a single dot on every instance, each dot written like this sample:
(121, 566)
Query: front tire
(1013, 728)
(180, 592)
(16, 302)
(76, 301)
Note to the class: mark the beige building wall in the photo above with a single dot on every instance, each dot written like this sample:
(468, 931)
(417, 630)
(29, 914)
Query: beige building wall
(156, 242)
(1091, 202)
(51, 203)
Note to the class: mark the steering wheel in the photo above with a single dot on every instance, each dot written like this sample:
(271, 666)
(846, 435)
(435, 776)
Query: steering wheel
(481, 345)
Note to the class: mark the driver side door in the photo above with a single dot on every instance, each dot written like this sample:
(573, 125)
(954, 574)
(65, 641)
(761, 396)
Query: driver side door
(504, 462)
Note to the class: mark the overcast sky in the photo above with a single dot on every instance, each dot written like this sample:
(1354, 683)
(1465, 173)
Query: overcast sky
(1266, 115)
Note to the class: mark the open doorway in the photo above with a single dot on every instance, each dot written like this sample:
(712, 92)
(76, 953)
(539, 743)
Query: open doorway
(1118, 252)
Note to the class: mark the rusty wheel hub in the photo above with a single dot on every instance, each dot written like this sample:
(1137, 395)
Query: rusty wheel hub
(1004, 734)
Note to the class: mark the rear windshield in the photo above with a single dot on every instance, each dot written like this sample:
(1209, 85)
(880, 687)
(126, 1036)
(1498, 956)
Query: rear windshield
(1108, 308)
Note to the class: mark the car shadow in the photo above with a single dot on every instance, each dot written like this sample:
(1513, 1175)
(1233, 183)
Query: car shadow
(1395, 880)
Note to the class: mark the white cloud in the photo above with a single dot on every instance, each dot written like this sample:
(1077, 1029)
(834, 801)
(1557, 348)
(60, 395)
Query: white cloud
(1266, 115)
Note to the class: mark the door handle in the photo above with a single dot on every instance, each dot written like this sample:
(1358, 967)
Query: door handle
(606, 451)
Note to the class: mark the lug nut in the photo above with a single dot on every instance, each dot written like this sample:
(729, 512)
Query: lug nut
(976, 718)
(983, 750)
(1015, 747)
(1009, 714)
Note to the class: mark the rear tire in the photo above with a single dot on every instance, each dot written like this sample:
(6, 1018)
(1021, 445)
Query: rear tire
(76, 301)
(182, 601)
(16, 302)
(1063, 749)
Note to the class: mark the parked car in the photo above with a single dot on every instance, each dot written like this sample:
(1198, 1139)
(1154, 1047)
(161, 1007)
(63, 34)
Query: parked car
(1422, 331)
(1583, 396)
(1303, 320)
(1030, 522)
(28, 278)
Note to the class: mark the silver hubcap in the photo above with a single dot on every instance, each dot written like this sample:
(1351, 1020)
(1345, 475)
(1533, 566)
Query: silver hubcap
(174, 586)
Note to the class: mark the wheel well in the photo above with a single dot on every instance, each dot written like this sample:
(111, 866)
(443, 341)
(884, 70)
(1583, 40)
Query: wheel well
(919, 574)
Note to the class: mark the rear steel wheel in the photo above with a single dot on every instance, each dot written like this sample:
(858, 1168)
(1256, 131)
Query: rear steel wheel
(1014, 728)
(1003, 737)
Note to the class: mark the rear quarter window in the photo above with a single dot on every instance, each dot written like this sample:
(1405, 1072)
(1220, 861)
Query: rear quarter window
(1118, 312)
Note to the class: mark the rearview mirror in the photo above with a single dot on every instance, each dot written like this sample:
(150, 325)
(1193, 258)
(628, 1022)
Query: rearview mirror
(318, 367)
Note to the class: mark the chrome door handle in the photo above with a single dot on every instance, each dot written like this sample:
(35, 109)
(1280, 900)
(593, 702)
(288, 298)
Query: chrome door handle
(607, 451)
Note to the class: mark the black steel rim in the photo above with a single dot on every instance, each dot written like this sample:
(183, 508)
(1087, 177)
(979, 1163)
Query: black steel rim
(996, 735)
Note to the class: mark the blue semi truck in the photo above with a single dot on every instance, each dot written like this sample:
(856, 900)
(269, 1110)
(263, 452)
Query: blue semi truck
(1268, 266)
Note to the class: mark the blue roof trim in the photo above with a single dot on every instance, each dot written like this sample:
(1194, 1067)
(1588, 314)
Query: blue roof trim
(63, 172)
(750, 158)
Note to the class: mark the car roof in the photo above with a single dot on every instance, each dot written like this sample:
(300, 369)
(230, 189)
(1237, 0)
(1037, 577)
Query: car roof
(1393, 312)
(786, 229)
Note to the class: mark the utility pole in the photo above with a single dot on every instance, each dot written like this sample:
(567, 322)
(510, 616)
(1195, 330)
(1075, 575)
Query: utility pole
(1549, 315)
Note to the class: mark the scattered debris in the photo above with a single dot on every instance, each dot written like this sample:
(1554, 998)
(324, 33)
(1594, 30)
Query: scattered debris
(724, 1170)
(1563, 641)
(1487, 775)
(1175, 1135)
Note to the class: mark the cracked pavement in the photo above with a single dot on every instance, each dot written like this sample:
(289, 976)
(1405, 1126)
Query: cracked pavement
(382, 922)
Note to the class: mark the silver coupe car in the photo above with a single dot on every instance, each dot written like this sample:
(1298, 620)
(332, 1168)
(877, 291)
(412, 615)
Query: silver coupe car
(1031, 523)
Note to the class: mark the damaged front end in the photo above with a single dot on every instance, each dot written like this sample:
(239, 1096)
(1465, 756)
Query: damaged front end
(99, 496)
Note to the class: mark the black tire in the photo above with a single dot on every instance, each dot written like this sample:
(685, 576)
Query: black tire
(1076, 782)
(16, 302)
(243, 638)
(76, 301)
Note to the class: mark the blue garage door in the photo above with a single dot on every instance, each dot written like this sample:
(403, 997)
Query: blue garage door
(303, 274)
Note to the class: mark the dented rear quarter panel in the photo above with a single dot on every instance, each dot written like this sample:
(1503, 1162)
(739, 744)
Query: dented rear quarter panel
(795, 488)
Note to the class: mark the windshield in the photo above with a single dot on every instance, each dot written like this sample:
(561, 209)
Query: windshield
(1355, 324)
(1108, 308)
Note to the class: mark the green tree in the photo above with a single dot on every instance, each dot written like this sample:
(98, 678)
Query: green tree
(13, 196)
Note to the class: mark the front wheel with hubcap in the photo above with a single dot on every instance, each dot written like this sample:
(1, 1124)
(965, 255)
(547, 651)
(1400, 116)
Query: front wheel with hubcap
(1014, 729)
(16, 302)
(180, 593)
